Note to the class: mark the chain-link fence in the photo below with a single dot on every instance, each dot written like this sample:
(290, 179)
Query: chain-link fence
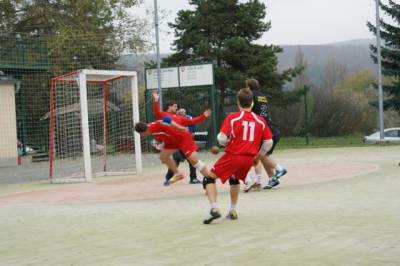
(27, 63)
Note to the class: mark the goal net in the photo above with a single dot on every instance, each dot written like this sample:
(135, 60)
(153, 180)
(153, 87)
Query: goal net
(92, 116)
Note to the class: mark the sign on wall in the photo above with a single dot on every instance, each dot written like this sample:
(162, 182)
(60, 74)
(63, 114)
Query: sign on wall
(182, 76)
(169, 78)
(195, 75)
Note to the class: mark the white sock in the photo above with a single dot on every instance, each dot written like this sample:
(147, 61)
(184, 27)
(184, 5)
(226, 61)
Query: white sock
(279, 167)
(214, 205)
(258, 179)
(233, 207)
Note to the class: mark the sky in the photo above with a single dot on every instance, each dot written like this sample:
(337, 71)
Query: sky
(294, 22)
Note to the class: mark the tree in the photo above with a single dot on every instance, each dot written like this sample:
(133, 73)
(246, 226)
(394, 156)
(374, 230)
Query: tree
(41, 39)
(302, 79)
(222, 32)
(87, 33)
(333, 74)
(390, 33)
(359, 82)
(291, 119)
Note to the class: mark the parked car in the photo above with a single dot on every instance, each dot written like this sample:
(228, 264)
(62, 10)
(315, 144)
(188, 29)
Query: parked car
(29, 150)
(390, 135)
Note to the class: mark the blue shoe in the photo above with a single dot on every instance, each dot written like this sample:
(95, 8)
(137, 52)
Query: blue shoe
(272, 182)
(166, 183)
(280, 173)
(195, 181)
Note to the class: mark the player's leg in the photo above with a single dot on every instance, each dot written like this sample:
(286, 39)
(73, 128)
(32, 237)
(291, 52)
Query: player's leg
(249, 182)
(255, 183)
(189, 149)
(211, 192)
(258, 172)
(224, 168)
(240, 167)
(177, 158)
(165, 157)
(193, 175)
(269, 165)
(168, 176)
(193, 159)
(274, 170)
(234, 194)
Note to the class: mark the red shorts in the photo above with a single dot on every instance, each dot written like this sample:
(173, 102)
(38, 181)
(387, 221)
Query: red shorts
(186, 145)
(232, 165)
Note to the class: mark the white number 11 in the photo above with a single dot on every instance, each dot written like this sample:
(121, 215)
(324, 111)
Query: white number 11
(246, 126)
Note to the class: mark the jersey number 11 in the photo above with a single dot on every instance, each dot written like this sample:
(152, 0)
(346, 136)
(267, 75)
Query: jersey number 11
(246, 125)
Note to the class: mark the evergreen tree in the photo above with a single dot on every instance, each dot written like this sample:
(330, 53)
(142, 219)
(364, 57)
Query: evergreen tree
(390, 33)
(223, 32)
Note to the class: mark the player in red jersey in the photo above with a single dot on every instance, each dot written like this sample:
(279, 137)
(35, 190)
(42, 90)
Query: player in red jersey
(243, 133)
(180, 120)
(171, 112)
(175, 137)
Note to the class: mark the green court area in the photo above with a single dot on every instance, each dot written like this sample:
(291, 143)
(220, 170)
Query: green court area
(325, 142)
(323, 213)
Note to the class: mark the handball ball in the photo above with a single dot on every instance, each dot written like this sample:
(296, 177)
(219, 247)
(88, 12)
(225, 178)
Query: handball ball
(214, 150)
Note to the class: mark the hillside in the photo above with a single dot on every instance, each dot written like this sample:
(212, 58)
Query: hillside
(354, 54)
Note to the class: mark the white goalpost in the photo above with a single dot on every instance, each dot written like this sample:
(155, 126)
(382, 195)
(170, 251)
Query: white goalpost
(91, 133)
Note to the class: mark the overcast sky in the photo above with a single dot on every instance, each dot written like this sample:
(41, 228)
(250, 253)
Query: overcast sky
(293, 21)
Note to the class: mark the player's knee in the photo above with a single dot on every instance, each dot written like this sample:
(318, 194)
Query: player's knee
(233, 181)
(208, 180)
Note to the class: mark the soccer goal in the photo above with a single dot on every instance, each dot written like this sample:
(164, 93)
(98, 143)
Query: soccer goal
(92, 116)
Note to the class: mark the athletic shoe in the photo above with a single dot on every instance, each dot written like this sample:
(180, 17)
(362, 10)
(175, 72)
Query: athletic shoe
(232, 215)
(214, 214)
(176, 178)
(195, 181)
(249, 186)
(272, 182)
(280, 173)
(166, 183)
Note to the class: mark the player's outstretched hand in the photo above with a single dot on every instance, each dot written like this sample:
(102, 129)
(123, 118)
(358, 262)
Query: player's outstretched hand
(207, 113)
(155, 95)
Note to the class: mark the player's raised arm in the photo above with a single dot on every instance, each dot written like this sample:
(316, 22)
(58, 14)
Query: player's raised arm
(155, 95)
(197, 119)
(156, 107)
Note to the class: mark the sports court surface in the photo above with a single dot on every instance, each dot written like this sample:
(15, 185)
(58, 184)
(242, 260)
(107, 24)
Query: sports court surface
(337, 206)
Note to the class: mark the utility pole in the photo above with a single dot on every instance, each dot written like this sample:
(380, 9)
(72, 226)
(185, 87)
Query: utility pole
(158, 54)
(380, 90)
(306, 89)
